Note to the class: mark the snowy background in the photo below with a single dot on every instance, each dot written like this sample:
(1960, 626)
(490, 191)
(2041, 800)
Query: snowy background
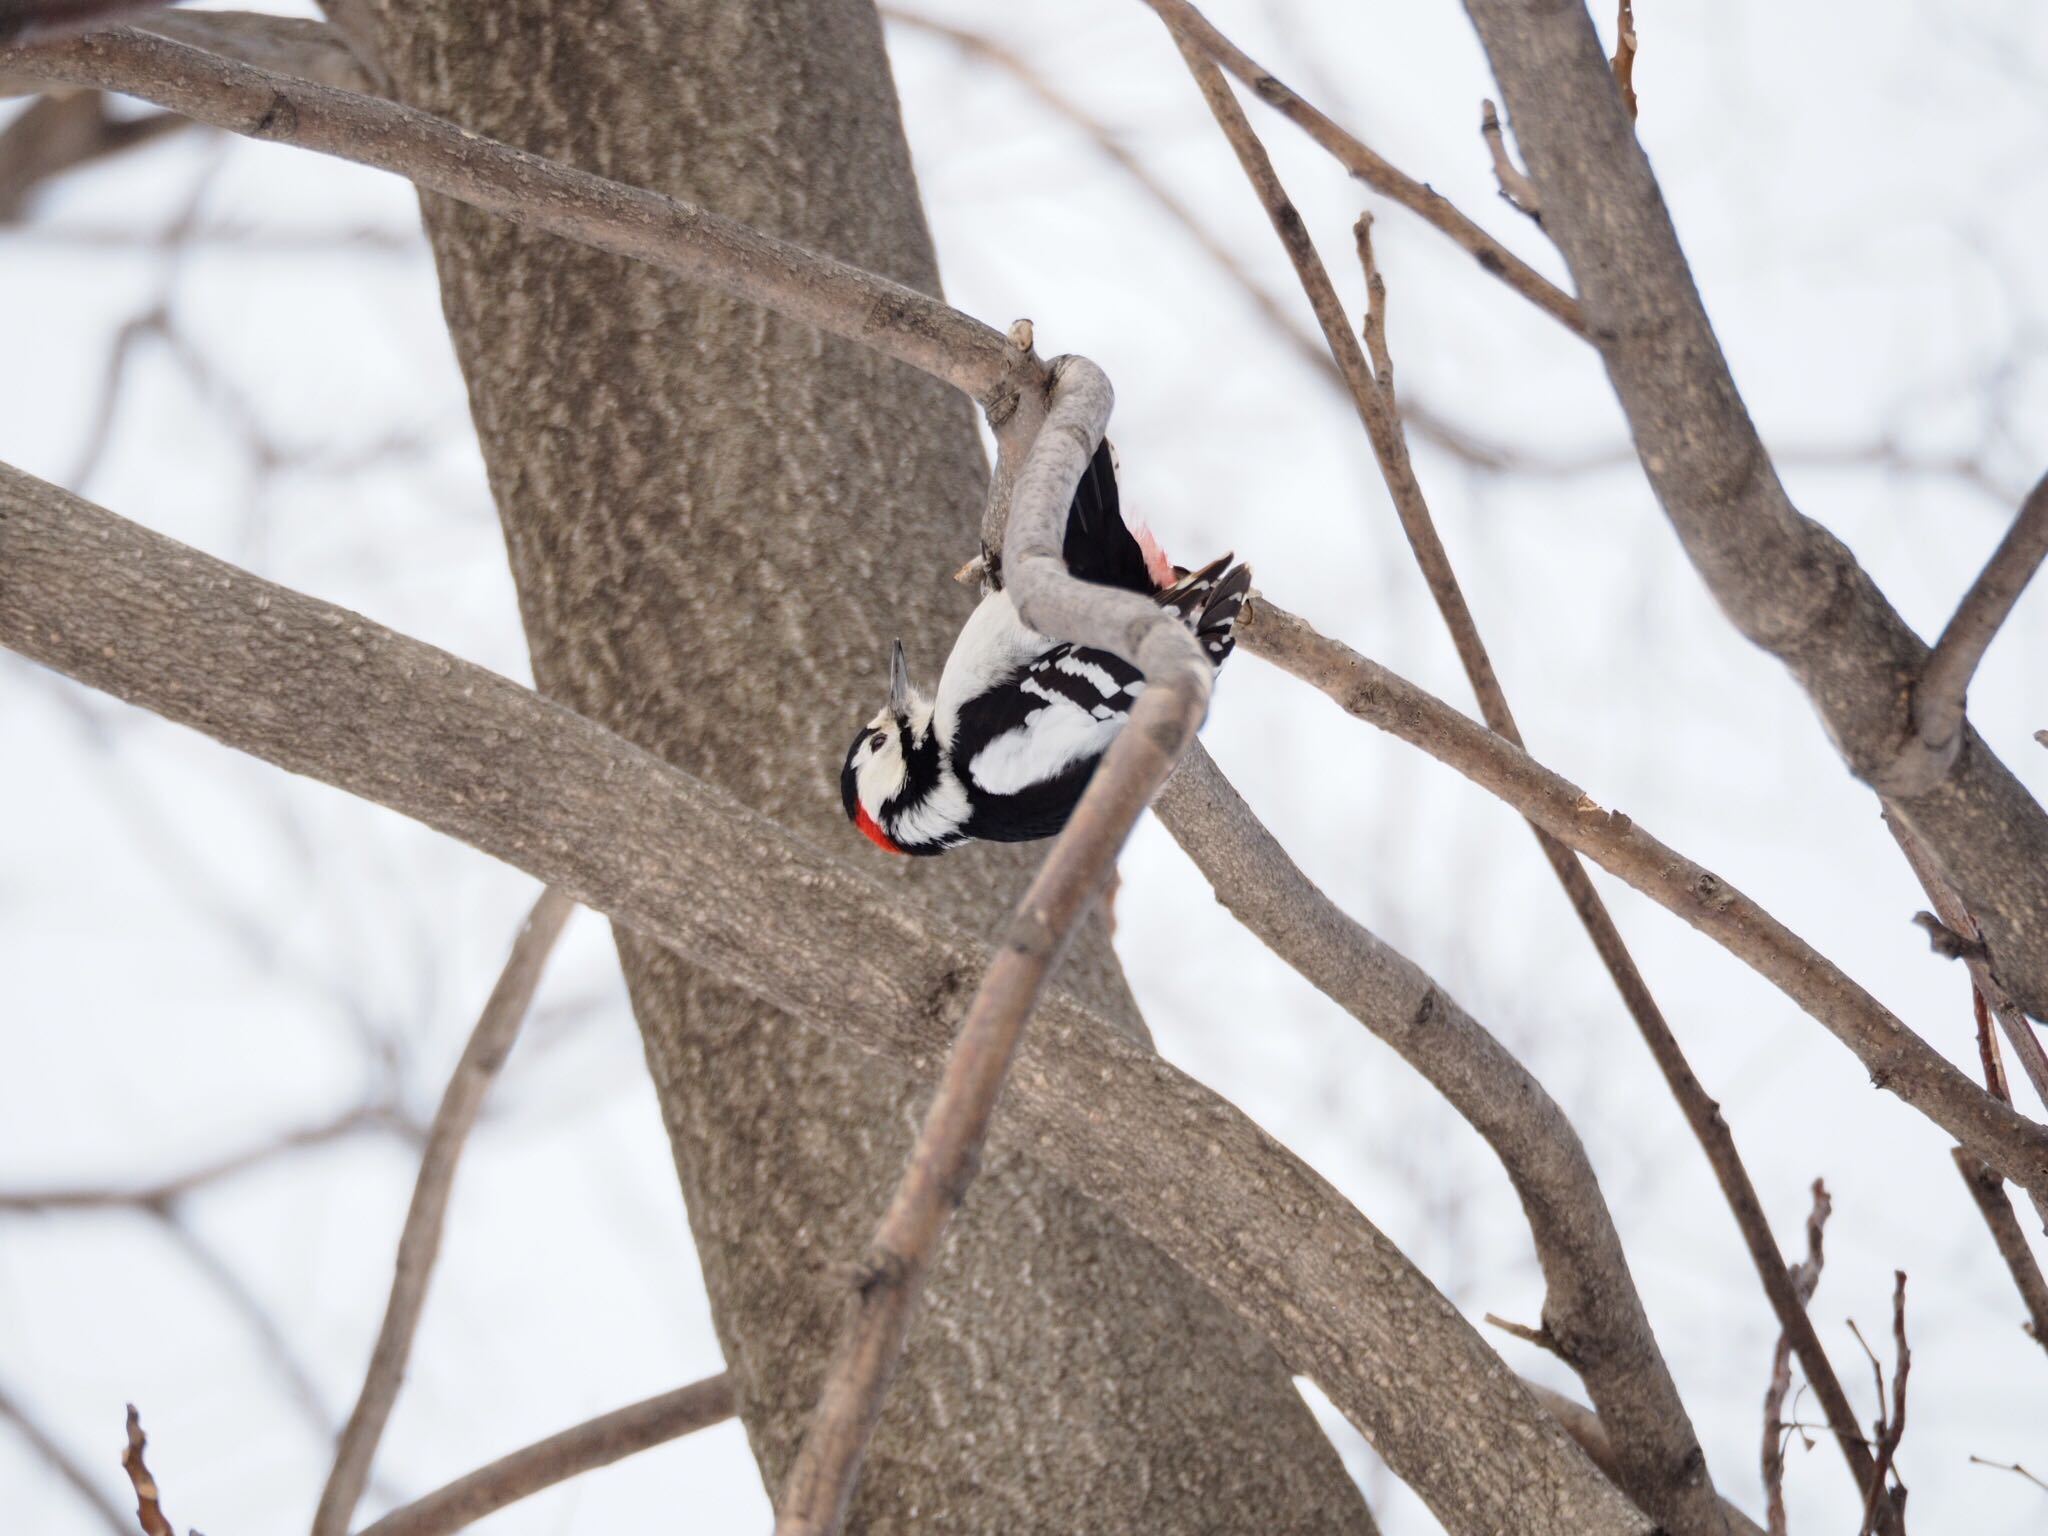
(199, 955)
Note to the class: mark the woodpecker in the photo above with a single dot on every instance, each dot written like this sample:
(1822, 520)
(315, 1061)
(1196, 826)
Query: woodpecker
(1004, 750)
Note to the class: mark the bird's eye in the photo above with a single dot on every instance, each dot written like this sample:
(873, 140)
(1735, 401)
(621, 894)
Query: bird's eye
(877, 741)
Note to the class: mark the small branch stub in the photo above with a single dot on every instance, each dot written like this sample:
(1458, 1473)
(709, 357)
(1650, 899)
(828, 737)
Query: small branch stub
(1516, 189)
(1625, 56)
(149, 1511)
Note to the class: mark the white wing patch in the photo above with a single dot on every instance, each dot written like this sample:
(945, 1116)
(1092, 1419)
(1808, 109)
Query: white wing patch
(1049, 741)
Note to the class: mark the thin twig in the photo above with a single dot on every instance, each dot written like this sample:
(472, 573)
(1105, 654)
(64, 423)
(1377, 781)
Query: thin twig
(64, 1465)
(168, 1191)
(1891, 1428)
(596, 1443)
(1987, 1189)
(1804, 1277)
(2010, 1466)
(149, 1511)
(1624, 60)
(1540, 1337)
(891, 1273)
(420, 1241)
(1940, 696)
(1516, 189)
(1189, 24)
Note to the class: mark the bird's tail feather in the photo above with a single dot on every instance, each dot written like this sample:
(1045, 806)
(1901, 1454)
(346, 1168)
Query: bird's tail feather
(1208, 601)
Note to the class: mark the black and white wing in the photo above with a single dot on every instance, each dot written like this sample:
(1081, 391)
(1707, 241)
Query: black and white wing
(1024, 750)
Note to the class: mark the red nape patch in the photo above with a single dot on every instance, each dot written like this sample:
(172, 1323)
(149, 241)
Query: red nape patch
(873, 828)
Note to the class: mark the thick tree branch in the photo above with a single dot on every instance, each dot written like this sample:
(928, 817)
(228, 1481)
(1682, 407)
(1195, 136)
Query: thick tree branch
(1938, 697)
(1585, 1428)
(441, 157)
(583, 1448)
(419, 1244)
(1897, 1059)
(1418, 197)
(1785, 582)
(1592, 1310)
(321, 691)
(949, 1145)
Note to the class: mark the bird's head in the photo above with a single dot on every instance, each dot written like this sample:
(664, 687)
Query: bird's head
(892, 769)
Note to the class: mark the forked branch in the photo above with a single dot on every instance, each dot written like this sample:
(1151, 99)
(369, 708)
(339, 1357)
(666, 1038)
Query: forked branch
(1938, 697)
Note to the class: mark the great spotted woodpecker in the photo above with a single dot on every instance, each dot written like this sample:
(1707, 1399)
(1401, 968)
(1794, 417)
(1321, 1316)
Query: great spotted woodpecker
(1020, 721)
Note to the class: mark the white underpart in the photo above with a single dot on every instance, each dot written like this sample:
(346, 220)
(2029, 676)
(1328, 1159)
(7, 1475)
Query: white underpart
(937, 817)
(993, 644)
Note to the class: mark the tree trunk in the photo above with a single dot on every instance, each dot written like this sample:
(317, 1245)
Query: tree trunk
(717, 522)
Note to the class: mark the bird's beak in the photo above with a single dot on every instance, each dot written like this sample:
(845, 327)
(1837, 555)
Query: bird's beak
(899, 683)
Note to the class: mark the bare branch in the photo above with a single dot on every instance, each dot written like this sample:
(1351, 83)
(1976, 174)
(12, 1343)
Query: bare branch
(420, 1241)
(1784, 581)
(368, 1117)
(63, 1464)
(1516, 189)
(1189, 24)
(2010, 1466)
(1802, 1278)
(1897, 1059)
(1987, 1189)
(321, 691)
(666, 232)
(583, 1448)
(1890, 1428)
(942, 1164)
(1540, 1337)
(149, 1512)
(1939, 695)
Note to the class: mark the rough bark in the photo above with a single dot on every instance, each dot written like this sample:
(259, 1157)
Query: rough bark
(717, 521)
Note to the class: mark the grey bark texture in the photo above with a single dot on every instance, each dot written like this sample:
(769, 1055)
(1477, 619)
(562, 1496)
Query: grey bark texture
(717, 521)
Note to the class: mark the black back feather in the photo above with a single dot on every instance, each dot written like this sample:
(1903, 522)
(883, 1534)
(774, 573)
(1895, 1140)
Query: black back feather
(1098, 546)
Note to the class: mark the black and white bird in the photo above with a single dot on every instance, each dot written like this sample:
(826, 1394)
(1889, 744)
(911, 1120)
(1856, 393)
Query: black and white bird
(1004, 750)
